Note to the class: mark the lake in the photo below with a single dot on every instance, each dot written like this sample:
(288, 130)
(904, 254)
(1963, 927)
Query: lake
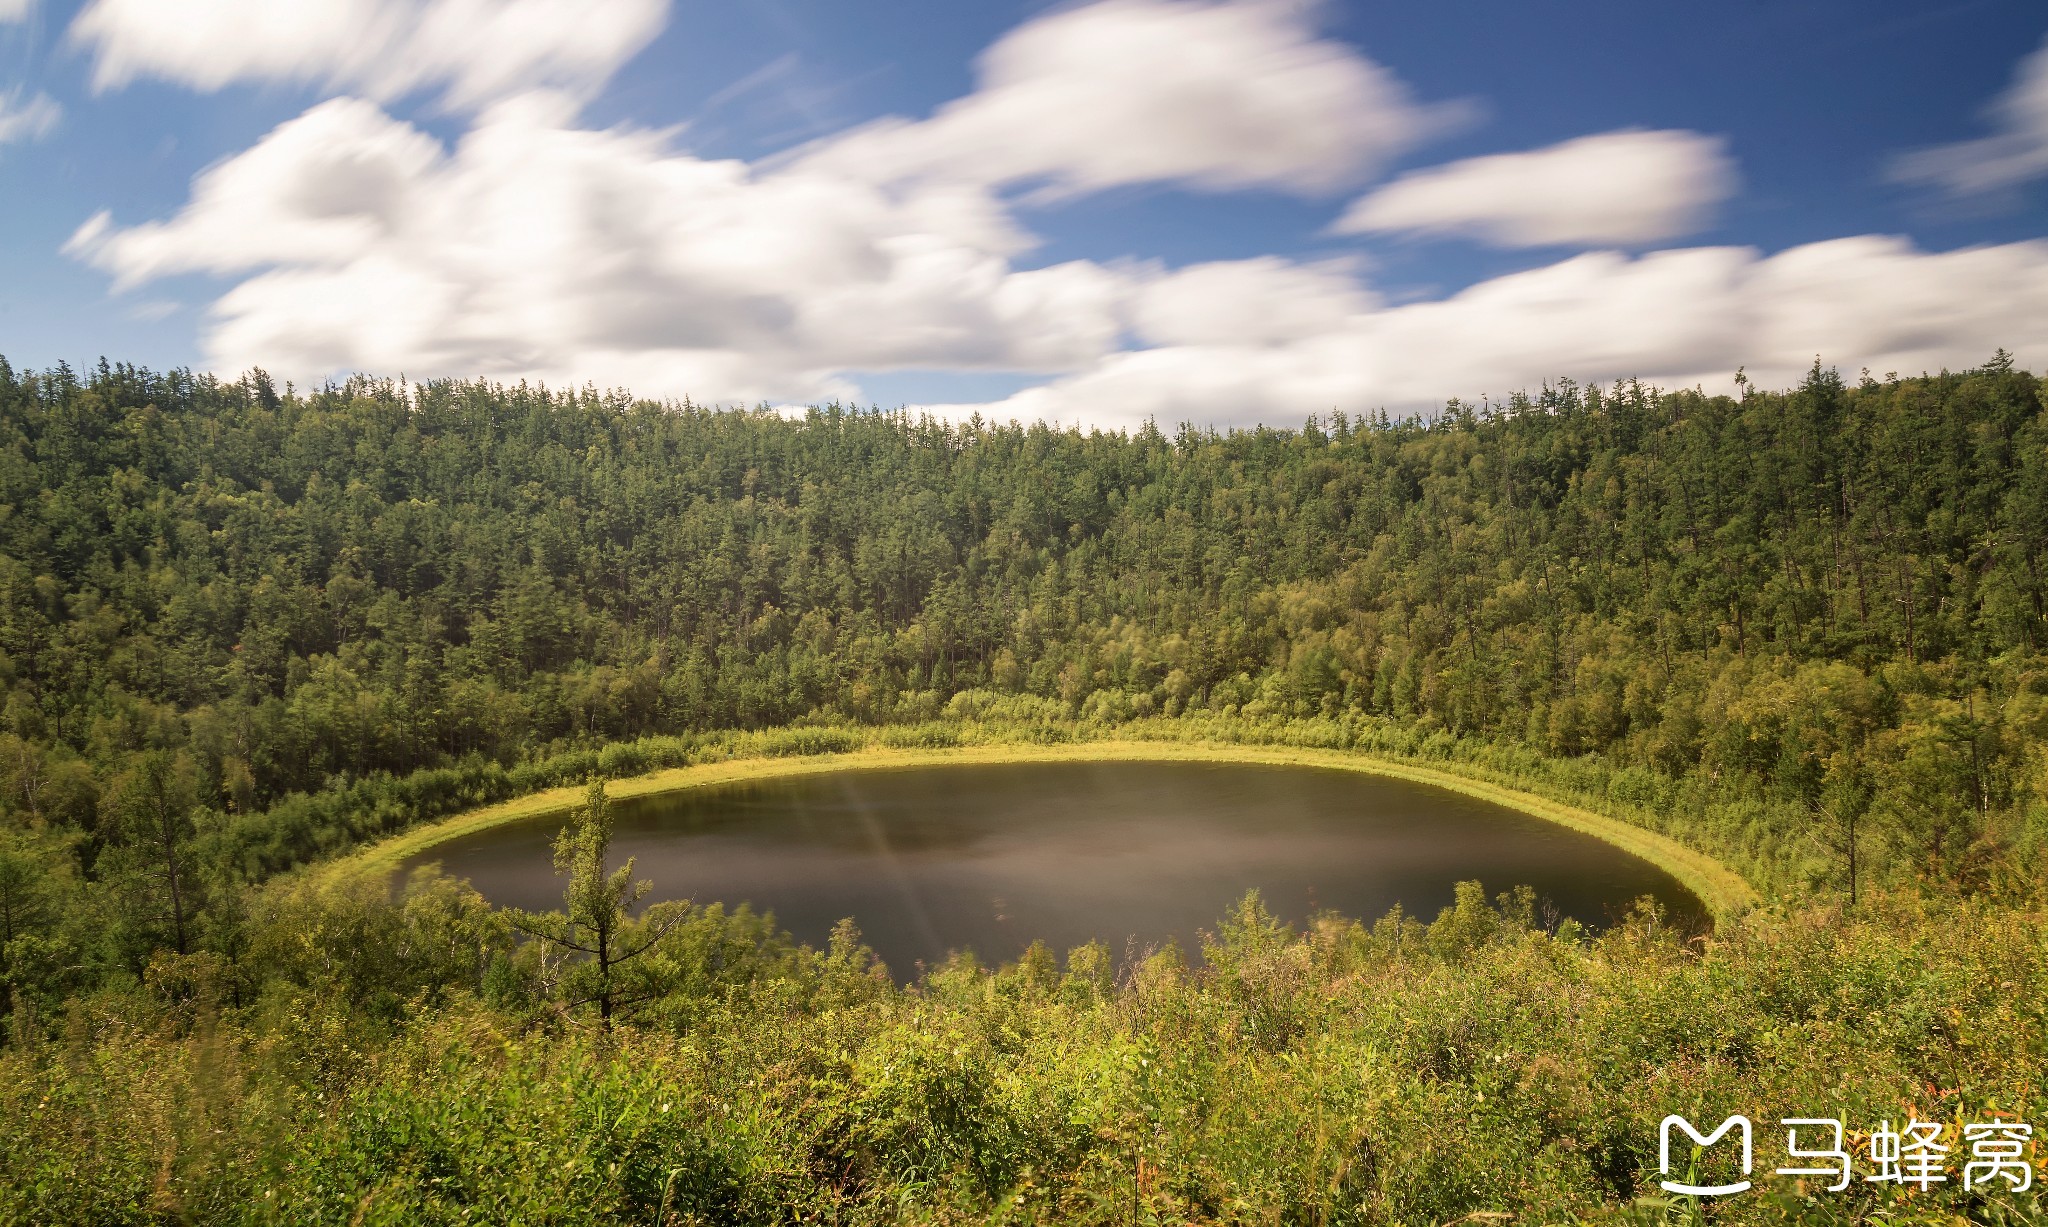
(934, 858)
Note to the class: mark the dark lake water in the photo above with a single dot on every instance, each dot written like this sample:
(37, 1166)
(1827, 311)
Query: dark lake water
(929, 859)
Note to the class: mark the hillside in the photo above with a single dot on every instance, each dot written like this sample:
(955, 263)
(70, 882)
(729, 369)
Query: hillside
(243, 629)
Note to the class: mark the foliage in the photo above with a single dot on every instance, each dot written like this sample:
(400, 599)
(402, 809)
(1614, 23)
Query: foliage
(1344, 1073)
(344, 611)
(244, 630)
(597, 920)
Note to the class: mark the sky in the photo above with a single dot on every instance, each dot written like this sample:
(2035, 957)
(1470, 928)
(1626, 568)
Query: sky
(1217, 211)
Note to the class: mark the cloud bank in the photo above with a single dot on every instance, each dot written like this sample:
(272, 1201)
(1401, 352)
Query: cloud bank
(1677, 318)
(533, 247)
(536, 248)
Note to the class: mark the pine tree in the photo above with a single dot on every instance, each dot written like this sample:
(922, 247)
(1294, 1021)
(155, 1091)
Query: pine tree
(596, 932)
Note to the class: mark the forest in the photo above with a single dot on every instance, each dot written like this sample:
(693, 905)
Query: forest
(245, 629)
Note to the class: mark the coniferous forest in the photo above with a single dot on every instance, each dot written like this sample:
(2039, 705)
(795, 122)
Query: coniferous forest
(247, 629)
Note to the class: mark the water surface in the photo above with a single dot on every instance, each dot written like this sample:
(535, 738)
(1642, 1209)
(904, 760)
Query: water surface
(987, 858)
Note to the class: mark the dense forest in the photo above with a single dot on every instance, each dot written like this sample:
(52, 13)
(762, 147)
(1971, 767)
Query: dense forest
(243, 628)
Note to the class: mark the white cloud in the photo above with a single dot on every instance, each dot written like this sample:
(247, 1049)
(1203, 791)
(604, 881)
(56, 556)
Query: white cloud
(1618, 187)
(15, 10)
(534, 248)
(27, 119)
(538, 249)
(2016, 152)
(473, 50)
(1261, 301)
(324, 189)
(1218, 95)
(1672, 317)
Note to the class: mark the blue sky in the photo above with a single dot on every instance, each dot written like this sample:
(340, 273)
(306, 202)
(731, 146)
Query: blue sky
(1129, 208)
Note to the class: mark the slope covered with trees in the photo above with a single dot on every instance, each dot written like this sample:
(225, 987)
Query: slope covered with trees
(1795, 592)
(242, 627)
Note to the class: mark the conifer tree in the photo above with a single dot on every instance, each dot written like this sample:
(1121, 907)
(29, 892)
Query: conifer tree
(596, 933)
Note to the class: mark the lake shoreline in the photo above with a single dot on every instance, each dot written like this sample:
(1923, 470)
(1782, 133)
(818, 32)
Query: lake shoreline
(1723, 892)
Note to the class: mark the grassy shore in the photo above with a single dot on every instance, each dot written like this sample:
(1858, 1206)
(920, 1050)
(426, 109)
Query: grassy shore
(1721, 889)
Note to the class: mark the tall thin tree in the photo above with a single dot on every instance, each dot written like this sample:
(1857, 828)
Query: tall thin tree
(597, 921)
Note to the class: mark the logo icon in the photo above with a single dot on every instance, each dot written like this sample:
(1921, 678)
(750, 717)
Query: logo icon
(1739, 1123)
